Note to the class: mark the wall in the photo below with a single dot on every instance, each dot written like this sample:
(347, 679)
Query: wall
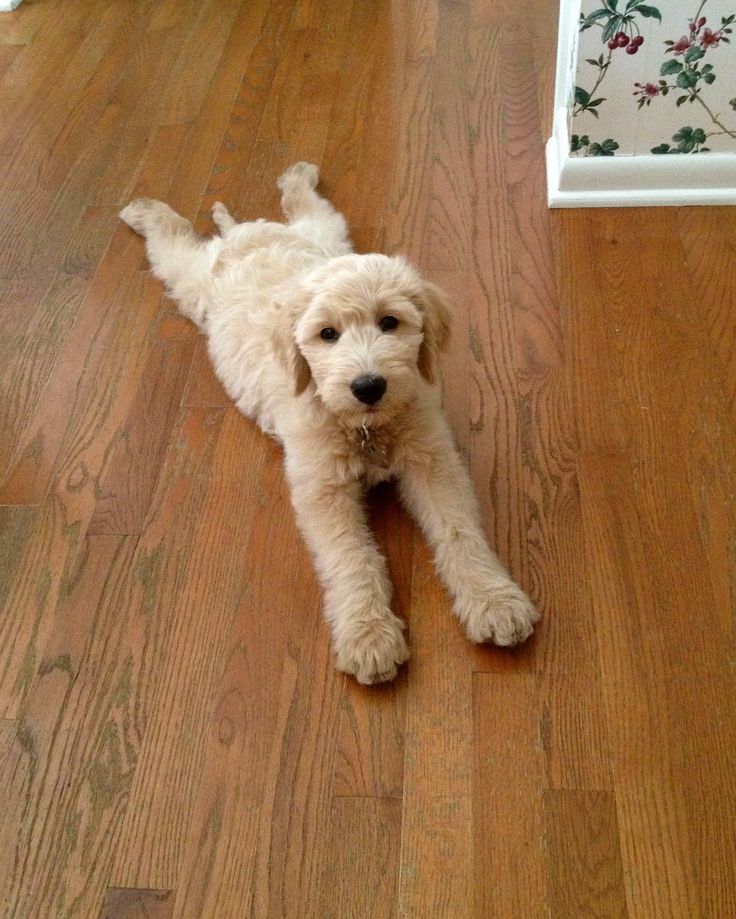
(654, 77)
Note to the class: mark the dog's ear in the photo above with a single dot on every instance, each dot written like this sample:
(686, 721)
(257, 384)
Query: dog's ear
(436, 311)
(287, 350)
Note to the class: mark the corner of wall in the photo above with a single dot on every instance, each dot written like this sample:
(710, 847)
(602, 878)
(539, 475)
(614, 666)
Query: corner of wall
(622, 181)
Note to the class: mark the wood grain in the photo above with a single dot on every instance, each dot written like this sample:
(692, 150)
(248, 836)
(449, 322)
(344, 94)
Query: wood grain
(125, 494)
(362, 874)
(137, 904)
(586, 876)
(510, 863)
(437, 830)
(174, 739)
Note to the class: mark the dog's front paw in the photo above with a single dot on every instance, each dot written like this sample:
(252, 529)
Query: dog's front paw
(372, 650)
(506, 617)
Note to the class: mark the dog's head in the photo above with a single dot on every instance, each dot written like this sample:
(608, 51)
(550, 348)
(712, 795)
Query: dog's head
(365, 329)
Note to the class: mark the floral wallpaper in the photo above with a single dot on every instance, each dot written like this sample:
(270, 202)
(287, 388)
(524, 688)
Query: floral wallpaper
(655, 77)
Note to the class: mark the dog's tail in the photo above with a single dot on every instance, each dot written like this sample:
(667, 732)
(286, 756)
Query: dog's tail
(177, 255)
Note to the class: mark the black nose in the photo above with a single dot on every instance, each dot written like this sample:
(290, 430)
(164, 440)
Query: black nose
(368, 389)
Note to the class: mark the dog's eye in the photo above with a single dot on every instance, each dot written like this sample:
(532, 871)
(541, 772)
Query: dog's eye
(329, 334)
(388, 323)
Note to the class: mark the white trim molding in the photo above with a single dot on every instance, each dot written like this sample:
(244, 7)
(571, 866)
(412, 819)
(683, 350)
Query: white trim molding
(635, 181)
(7, 5)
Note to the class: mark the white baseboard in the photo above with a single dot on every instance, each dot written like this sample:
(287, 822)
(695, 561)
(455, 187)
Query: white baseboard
(635, 181)
(7, 5)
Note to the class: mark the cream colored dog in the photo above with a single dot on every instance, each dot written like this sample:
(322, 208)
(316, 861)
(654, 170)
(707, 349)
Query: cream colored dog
(336, 355)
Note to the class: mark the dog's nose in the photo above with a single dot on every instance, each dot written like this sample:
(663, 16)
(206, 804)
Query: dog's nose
(368, 389)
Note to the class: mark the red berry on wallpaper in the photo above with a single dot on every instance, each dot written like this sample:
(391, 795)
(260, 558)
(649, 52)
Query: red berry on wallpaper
(613, 44)
(622, 40)
(639, 40)
(632, 49)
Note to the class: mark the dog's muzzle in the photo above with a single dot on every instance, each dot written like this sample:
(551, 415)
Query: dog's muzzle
(368, 389)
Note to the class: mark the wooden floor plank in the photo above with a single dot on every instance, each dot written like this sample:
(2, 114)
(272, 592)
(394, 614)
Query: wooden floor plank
(357, 883)
(510, 859)
(121, 903)
(102, 399)
(74, 738)
(437, 826)
(242, 729)
(586, 874)
(16, 524)
(358, 155)
(24, 25)
(125, 494)
(165, 785)
(41, 365)
(415, 28)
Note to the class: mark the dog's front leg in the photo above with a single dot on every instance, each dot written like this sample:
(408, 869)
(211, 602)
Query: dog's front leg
(367, 637)
(439, 494)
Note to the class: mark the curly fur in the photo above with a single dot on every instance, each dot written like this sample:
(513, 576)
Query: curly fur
(262, 293)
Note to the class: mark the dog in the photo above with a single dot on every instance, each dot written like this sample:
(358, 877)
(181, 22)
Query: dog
(336, 355)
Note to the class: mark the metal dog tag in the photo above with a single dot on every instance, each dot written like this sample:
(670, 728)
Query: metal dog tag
(373, 452)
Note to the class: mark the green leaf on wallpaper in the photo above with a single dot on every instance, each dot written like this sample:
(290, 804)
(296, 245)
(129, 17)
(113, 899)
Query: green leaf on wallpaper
(612, 4)
(688, 138)
(649, 12)
(709, 78)
(694, 53)
(605, 148)
(586, 22)
(611, 28)
(663, 148)
(670, 67)
(687, 79)
(681, 99)
(581, 96)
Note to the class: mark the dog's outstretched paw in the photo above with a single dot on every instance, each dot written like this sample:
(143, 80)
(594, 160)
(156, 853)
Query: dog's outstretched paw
(372, 650)
(138, 213)
(506, 618)
(299, 172)
(145, 215)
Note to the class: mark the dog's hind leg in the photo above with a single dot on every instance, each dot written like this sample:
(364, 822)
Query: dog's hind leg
(308, 213)
(177, 255)
(222, 218)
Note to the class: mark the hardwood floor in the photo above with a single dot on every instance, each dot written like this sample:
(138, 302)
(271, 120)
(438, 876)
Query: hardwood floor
(174, 740)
